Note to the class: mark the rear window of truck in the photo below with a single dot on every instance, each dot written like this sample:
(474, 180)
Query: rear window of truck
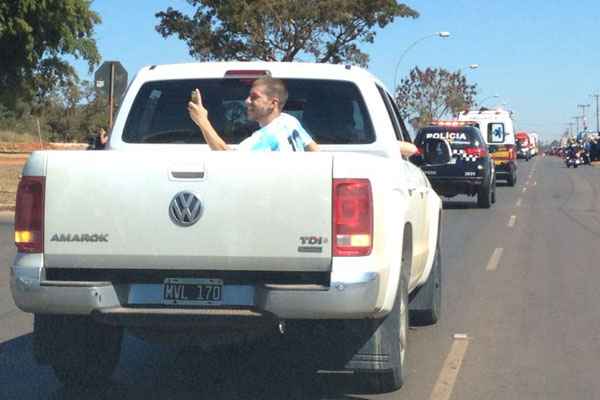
(332, 112)
(458, 137)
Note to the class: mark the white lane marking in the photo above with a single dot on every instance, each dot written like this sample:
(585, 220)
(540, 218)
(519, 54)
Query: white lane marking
(524, 190)
(494, 259)
(519, 202)
(534, 183)
(512, 220)
(442, 390)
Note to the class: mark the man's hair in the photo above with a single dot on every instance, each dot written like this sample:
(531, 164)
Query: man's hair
(274, 88)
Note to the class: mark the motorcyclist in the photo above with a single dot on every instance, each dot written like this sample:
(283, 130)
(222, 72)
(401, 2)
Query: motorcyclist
(572, 153)
(585, 152)
(594, 149)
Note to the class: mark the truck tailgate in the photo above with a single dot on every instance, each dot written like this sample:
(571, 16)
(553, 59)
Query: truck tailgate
(258, 211)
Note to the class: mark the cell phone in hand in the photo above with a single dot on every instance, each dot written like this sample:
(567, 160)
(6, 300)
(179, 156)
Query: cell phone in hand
(194, 97)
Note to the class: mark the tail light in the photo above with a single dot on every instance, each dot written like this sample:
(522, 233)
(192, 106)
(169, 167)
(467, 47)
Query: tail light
(247, 76)
(246, 73)
(29, 215)
(476, 151)
(352, 217)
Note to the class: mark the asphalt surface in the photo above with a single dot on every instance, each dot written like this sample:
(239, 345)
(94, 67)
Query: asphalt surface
(520, 315)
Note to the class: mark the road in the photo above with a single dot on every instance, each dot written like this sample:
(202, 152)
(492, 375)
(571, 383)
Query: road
(520, 315)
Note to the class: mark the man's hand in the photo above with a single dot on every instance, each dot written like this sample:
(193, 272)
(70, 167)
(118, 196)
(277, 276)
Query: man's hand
(407, 149)
(199, 115)
(103, 136)
(196, 109)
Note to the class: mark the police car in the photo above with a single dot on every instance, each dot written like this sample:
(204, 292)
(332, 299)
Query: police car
(471, 170)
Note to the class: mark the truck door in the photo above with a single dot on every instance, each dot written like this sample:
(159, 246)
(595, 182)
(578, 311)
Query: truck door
(417, 195)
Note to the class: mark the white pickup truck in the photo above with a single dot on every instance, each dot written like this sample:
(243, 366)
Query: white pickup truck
(172, 241)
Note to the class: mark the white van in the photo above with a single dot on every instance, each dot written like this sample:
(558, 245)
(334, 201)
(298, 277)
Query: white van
(535, 143)
(497, 129)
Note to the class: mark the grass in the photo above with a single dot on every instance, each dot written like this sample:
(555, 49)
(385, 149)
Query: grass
(15, 137)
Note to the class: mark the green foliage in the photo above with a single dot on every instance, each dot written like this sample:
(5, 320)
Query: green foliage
(281, 30)
(71, 113)
(434, 93)
(34, 35)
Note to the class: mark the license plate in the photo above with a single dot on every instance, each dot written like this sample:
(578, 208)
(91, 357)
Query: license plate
(192, 291)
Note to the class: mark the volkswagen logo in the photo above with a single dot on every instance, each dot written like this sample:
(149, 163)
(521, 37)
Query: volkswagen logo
(185, 209)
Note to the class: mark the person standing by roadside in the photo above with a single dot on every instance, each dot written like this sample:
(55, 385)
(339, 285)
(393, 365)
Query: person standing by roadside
(99, 141)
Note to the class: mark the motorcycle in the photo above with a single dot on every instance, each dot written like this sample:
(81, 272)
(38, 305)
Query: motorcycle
(573, 159)
(585, 156)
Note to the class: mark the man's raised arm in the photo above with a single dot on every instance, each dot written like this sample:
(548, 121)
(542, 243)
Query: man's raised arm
(199, 114)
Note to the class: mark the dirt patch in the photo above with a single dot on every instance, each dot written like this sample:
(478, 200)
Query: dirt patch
(12, 148)
(13, 160)
(9, 179)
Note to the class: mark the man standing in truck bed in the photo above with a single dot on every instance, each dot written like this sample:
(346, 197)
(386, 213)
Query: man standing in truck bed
(264, 104)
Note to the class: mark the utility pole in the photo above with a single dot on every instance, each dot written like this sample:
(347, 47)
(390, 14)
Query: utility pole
(583, 114)
(577, 118)
(596, 96)
(570, 129)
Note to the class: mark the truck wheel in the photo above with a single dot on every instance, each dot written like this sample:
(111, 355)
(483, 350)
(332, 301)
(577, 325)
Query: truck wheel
(484, 196)
(80, 351)
(394, 331)
(426, 306)
(512, 178)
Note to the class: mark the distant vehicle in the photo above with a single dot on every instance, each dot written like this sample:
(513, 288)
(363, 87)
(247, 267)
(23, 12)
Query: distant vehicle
(535, 143)
(471, 171)
(497, 129)
(573, 157)
(524, 145)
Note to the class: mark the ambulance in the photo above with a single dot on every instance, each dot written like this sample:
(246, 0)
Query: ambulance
(497, 128)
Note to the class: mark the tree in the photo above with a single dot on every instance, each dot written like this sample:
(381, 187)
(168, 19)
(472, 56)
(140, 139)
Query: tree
(433, 94)
(281, 30)
(34, 35)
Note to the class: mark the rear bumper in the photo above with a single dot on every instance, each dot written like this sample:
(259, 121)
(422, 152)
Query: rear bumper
(505, 167)
(451, 180)
(349, 296)
(451, 186)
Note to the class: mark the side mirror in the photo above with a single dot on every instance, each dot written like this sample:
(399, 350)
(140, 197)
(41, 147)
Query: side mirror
(437, 152)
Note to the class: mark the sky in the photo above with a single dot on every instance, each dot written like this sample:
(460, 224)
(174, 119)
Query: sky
(540, 58)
